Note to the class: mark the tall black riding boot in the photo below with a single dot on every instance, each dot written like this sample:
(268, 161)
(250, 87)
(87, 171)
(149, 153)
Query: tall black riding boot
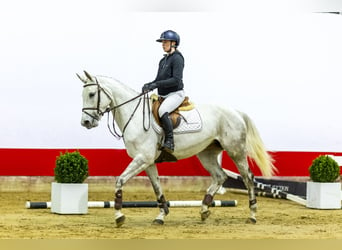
(168, 130)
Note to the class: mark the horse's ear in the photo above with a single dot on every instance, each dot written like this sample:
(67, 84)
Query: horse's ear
(88, 75)
(82, 78)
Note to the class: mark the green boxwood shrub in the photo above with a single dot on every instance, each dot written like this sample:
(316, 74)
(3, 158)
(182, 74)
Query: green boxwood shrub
(71, 168)
(324, 169)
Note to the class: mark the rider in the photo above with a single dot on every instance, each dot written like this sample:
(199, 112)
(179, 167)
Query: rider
(169, 82)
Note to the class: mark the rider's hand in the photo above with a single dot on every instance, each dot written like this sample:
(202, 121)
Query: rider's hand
(149, 86)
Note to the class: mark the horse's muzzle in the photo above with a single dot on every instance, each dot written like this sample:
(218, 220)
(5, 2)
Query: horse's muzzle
(89, 124)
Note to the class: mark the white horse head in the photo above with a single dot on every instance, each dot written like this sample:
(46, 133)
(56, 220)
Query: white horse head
(96, 100)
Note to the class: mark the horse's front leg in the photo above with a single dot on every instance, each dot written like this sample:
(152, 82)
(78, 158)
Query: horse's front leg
(152, 173)
(135, 167)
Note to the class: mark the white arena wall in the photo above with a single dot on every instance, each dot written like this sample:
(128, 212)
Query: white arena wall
(280, 64)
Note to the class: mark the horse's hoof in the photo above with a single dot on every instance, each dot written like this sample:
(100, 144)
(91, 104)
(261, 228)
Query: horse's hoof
(251, 221)
(120, 221)
(158, 222)
(205, 215)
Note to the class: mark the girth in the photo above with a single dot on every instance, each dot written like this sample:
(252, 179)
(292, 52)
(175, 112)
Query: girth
(175, 116)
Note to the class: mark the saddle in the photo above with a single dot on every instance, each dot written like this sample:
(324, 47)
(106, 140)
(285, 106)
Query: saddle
(175, 116)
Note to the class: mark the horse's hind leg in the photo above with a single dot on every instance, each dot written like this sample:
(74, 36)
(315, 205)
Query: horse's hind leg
(208, 158)
(248, 179)
(152, 173)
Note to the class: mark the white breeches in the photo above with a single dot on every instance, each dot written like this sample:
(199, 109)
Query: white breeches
(171, 102)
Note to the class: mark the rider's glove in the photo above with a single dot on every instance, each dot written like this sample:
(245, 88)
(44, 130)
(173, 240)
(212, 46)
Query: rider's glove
(149, 86)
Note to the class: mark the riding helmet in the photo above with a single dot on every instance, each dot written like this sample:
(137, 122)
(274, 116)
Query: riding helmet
(169, 35)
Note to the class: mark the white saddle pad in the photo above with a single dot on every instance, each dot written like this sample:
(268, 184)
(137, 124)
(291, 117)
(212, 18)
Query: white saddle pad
(190, 122)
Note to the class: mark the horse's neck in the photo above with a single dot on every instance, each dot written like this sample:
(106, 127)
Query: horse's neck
(120, 93)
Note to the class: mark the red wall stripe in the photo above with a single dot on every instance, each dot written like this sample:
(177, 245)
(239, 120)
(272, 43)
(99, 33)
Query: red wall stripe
(112, 162)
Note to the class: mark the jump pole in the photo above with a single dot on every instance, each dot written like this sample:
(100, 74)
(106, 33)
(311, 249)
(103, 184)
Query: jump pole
(139, 204)
(268, 189)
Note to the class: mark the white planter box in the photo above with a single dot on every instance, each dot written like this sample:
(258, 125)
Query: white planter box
(323, 195)
(69, 198)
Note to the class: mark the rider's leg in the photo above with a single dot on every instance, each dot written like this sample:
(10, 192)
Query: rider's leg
(168, 130)
(170, 103)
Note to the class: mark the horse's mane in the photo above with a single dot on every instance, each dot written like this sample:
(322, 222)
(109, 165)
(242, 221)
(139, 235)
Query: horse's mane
(112, 80)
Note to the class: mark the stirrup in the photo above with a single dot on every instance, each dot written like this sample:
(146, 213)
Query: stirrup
(169, 150)
(168, 147)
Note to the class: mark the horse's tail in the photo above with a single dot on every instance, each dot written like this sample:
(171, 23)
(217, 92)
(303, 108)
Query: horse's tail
(256, 148)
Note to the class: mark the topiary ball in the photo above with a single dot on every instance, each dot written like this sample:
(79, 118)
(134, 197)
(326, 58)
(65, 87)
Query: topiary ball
(324, 169)
(71, 168)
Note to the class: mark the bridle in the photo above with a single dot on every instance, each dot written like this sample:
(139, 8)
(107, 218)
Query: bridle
(98, 110)
(100, 113)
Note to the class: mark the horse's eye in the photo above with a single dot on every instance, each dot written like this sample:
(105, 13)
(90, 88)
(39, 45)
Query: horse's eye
(91, 94)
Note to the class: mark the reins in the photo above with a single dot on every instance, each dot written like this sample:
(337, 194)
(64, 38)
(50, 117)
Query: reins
(113, 131)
